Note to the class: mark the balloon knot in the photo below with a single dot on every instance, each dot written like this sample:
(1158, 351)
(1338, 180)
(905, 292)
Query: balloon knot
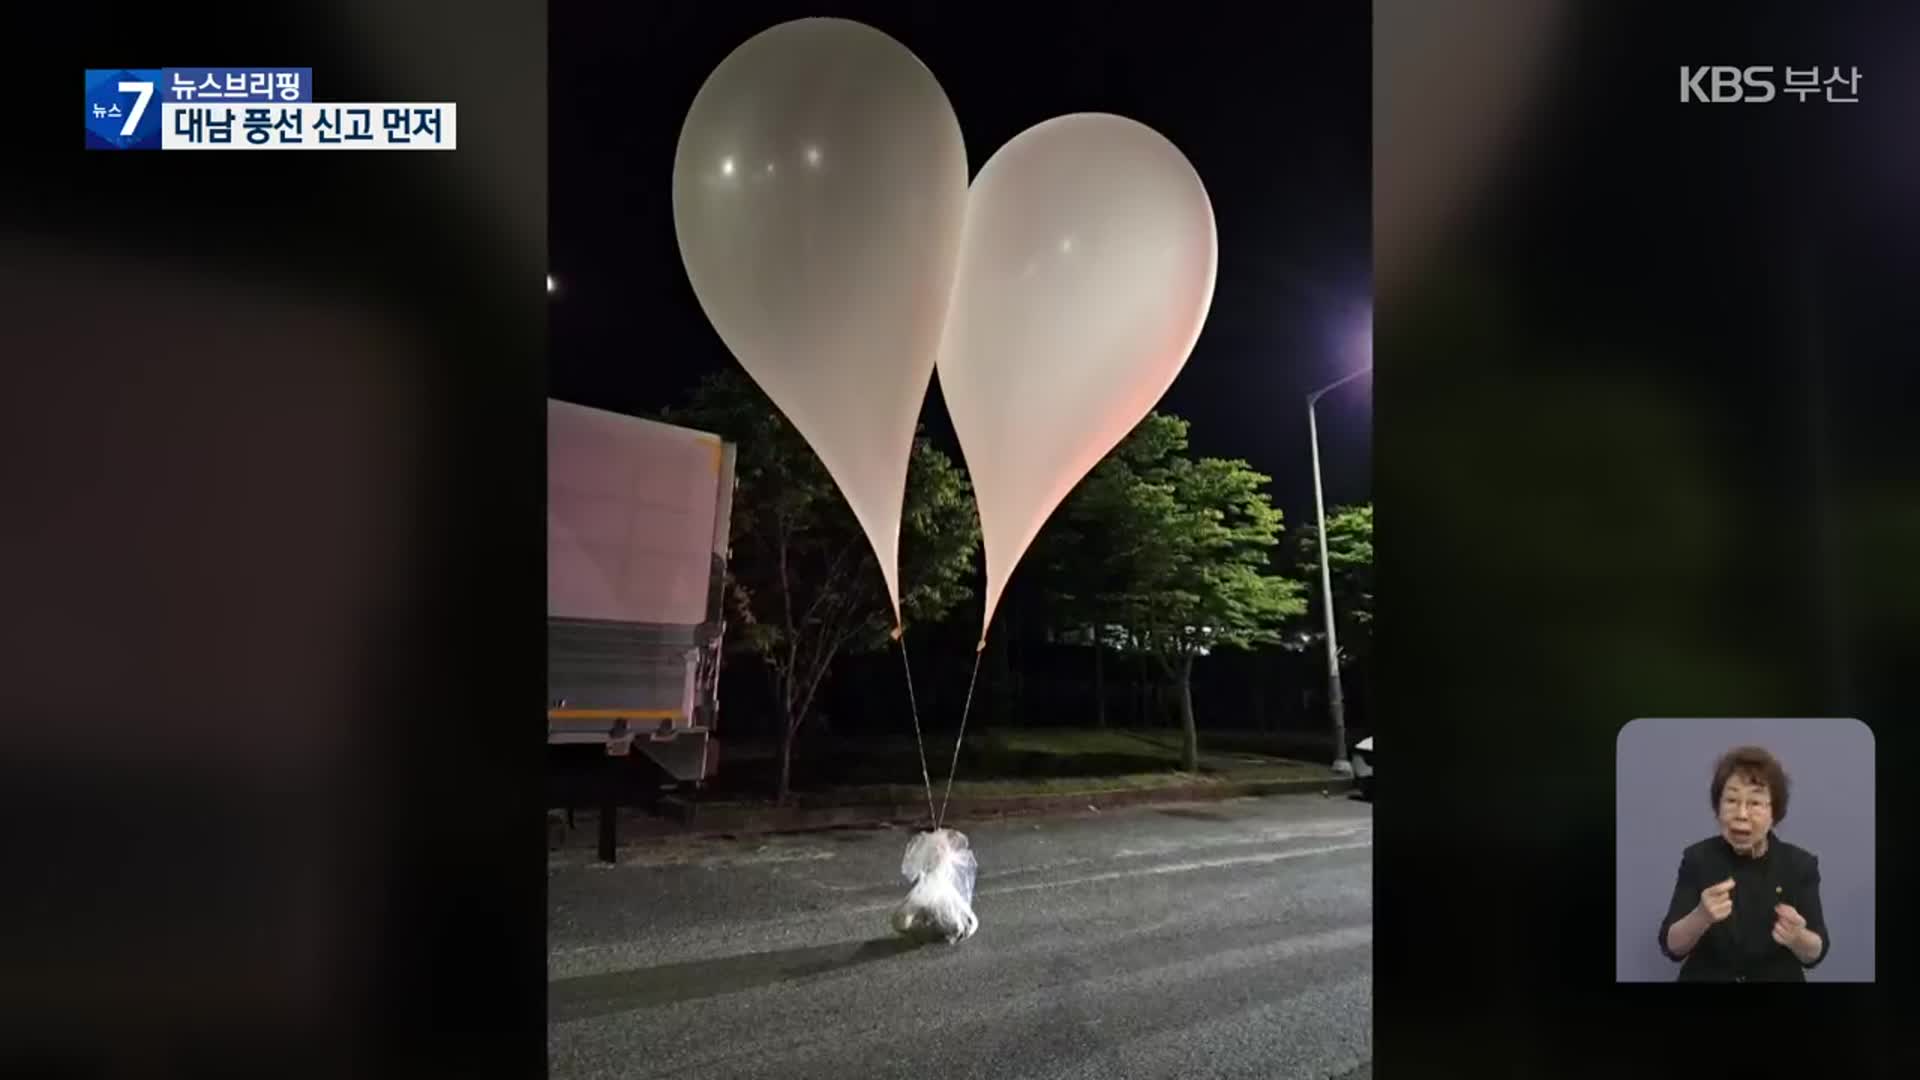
(897, 631)
(982, 647)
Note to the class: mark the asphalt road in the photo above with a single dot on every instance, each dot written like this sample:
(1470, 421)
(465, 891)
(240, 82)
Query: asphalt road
(1213, 940)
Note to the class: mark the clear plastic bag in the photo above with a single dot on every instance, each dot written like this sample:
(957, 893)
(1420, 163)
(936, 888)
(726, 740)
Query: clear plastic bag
(941, 867)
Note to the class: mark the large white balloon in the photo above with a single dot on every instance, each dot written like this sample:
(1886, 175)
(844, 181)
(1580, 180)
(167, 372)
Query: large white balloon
(1086, 272)
(819, 191)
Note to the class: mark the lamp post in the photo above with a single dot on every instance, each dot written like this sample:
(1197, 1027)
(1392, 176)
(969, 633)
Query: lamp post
(1335, 704)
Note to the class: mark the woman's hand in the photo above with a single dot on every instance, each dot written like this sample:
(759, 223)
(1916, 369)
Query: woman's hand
(1790, 930)
(1716, 902)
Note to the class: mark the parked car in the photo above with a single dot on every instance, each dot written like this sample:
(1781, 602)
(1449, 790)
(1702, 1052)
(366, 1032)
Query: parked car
(1362, 757)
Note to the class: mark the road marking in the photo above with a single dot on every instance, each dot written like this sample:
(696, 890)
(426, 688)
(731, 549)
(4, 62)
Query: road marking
(1181, 868)
(996, 874)
(762, 856)
(1320, 831)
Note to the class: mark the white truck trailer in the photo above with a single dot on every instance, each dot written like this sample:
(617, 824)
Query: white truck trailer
(637, 523)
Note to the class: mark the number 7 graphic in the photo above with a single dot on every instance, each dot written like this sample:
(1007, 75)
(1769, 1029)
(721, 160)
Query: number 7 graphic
(145, 90)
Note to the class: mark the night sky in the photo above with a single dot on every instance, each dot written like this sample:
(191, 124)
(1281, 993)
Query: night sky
(1273, 114)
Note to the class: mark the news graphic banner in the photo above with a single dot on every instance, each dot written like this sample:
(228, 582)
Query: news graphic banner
(248, 109)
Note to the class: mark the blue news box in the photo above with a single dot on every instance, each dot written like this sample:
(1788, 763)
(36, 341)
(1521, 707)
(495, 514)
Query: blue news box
(123, 108)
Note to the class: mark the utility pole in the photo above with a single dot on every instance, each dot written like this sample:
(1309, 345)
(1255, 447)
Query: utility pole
(1336, 704)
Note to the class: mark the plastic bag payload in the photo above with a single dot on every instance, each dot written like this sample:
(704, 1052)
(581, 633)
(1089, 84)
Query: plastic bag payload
(941, 867)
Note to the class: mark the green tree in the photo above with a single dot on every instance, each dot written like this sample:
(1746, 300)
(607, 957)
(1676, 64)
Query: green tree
(1350, 565)
(1088, 550)
(1192, 545)
(803, 584)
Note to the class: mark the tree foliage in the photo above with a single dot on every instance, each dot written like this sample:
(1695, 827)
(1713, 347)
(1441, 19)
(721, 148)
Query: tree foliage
(804, 586)
(1206, 564)
(1180, 560)
(1350, 565)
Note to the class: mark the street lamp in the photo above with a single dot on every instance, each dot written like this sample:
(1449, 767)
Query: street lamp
(1335, 704)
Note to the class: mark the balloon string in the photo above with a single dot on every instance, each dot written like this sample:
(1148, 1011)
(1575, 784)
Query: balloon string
(926, 779)
(959, 738)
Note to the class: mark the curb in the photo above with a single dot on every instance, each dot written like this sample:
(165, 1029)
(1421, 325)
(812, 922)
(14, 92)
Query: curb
(727, 821)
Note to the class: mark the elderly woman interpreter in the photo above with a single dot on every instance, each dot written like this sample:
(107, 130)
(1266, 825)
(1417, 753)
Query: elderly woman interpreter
(1746, 907)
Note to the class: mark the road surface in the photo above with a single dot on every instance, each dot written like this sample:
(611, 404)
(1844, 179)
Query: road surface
(1228, 939)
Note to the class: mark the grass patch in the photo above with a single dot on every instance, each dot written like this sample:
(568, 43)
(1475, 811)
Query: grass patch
(996, 763)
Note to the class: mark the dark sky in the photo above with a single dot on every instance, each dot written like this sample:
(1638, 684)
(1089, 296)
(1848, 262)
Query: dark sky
(1273, 111)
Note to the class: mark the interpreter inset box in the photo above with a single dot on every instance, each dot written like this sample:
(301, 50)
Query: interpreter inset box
(1744, 850)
